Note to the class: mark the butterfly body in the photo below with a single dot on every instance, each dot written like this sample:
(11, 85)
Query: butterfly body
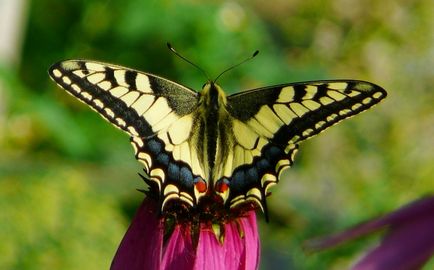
(205, 151)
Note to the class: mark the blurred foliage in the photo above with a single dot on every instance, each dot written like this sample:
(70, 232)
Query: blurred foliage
(67, 178)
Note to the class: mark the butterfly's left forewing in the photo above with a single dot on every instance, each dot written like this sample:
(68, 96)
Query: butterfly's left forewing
(157, 113)
(268, 124)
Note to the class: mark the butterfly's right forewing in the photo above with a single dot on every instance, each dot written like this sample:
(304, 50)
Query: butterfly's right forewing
(269, 123)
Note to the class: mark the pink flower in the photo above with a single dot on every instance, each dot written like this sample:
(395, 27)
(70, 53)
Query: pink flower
(149, 245)
(408, 244)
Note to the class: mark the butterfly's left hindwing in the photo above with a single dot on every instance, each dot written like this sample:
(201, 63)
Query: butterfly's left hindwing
(155, 112)
(268, 124)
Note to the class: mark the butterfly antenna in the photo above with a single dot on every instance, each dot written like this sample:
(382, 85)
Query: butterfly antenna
(234, 66)
(186, 60)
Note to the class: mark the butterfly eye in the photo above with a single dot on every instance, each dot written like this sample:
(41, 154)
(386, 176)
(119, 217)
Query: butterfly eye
(200, 185)
(222, 185)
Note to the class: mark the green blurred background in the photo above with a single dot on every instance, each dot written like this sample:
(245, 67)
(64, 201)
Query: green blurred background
(68, 178)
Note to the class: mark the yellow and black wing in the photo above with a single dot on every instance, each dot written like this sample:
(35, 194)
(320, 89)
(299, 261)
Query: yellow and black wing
(157, 113)
(257, 138)
(268, 123)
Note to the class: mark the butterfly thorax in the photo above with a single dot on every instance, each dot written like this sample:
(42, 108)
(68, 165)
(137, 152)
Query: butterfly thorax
(213, 97)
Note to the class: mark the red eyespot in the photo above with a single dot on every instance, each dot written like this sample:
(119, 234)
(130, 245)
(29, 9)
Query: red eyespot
(200, 185)
(222, 185)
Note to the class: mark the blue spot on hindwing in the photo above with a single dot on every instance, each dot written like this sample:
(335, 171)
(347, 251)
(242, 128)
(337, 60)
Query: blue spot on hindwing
(154, 147)
(186, 177)
(252, 176)
(163, 159)
(263, 165)
(237, 181)
(173, 172)
(272, 153)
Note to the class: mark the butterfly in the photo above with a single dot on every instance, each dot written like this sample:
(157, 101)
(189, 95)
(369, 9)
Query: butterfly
(206, 151)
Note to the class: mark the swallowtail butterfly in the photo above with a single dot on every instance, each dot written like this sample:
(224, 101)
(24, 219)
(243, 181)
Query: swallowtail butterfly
(205, 151)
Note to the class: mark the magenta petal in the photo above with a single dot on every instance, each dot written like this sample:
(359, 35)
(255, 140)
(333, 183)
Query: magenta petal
(406, 247)
(209, 253)
(178, 253)
(234, 249)
(421, 209)
(238, 252)
(408, 244)
(251, 242)
(142, 244)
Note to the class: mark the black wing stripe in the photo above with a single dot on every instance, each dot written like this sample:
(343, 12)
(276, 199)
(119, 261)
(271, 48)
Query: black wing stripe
(110, 76)
(130, 79)
(331, 114)
(299, 92)
(321, 92)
